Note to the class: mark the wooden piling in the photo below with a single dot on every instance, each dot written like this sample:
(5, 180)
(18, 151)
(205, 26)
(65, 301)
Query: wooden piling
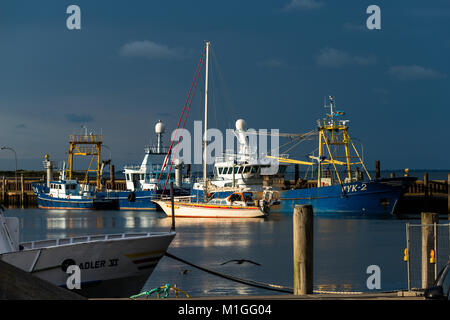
(21, 191)
(4, 190)
(172, 202)
(112, 177)
(296, 173)
(377, 169)
(303, 223)
(428, 220)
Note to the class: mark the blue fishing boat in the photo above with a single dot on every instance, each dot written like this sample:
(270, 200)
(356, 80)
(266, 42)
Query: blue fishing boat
(342, 189)
(69, 194)
(66, 193)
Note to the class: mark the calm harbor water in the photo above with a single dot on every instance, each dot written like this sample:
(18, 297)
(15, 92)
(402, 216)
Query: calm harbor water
(343, 248)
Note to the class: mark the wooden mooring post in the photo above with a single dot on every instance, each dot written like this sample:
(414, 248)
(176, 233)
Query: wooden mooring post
(377, 169)
(303, 223)
(3, 190)
(112, 177)
(429, 237)
(172, 203)
(21, 191)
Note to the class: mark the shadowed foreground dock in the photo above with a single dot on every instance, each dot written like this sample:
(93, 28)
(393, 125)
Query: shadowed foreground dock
(392, 295)
(16, 284)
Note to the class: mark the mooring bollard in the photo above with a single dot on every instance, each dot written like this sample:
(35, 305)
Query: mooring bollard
(429, 235)
(303, 249)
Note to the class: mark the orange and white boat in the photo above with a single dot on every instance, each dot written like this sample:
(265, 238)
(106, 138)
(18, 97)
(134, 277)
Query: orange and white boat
(236, 205)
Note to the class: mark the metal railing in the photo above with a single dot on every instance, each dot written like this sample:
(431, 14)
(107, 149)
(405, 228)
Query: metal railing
(415, 255)
(85, 138)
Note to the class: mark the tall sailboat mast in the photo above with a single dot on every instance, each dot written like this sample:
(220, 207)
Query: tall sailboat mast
(205, 136)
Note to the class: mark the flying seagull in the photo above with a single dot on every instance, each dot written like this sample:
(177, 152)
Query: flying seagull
(241, 261)
(183, 271)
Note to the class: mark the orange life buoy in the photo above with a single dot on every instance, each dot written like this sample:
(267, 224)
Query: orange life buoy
(51, 195)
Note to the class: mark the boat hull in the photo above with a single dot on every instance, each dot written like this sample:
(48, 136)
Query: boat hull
(199, 210)
(371, 198)
(45, 200)
(375, 198)
(116, 267)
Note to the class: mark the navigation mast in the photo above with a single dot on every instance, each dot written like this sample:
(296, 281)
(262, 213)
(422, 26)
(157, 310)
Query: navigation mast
(205, 136)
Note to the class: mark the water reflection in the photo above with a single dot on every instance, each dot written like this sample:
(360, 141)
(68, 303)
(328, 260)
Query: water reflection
(343, 248)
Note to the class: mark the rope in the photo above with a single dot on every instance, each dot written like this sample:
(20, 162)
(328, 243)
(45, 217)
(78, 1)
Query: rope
(194, 81)
(190, 98)
(161, 292)
(262, 285)
(267, 286)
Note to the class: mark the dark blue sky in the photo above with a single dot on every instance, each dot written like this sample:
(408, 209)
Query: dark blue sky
(133, 61)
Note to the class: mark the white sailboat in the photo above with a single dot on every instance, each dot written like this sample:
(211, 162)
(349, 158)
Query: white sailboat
(111, 265)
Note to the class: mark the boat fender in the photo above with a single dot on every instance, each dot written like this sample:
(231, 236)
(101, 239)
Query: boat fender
(66, 263)
(51, 195)
(68, 197)
(132, 197)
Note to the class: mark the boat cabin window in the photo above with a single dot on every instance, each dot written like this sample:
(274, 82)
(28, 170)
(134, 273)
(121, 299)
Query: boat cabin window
(225, 170)
(247, 169)
(248, 196)
(220, 170)
(128, 176)
(254, 169)
(240, 169)
(236, 169)
(141, 176)
(235, 197)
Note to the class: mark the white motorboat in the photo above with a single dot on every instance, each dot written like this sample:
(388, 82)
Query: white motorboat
(236, 205)
(111, 265)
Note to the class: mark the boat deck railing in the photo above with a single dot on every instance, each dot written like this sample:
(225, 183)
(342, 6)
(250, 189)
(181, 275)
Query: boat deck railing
(84, 239)
(85, 138)
(157, 150)
(229, 156)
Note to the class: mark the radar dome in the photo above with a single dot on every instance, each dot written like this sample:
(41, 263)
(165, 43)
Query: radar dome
(241, 125)
(160, 127)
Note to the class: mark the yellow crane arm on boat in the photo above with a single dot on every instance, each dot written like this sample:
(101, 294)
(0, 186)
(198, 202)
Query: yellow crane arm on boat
(285, 160)
(332, 161)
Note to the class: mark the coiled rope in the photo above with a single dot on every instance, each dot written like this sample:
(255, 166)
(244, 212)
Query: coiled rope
(162, 291)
